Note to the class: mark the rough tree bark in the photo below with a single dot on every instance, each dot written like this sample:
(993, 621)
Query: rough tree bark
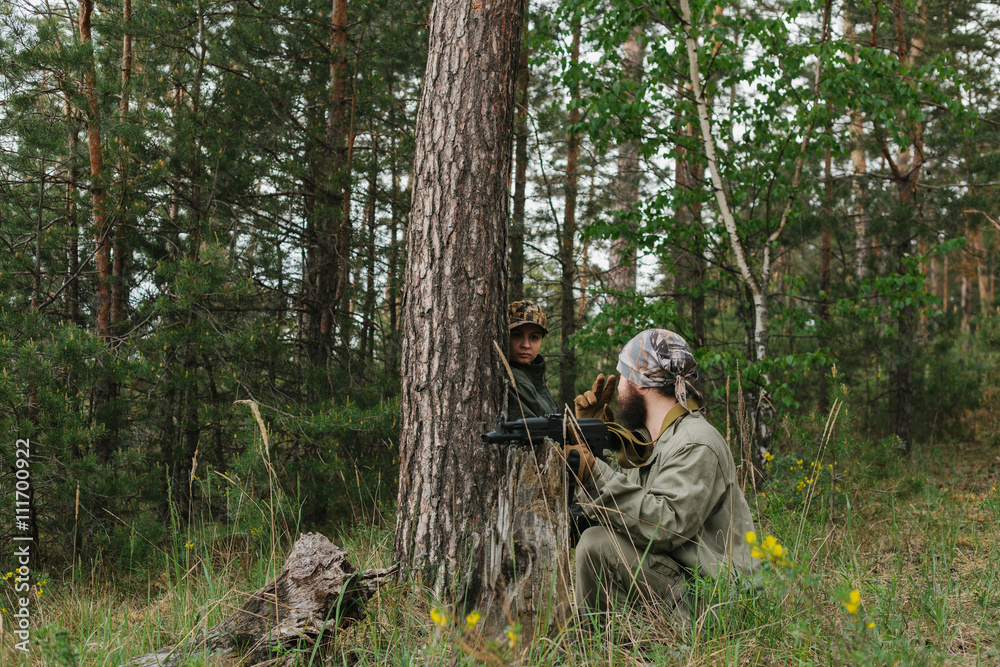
(454, 530)
(317, 591)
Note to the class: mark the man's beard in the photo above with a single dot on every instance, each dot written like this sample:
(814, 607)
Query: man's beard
(631, 409)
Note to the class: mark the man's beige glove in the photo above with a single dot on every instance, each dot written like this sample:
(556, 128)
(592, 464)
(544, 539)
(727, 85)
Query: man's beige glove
(579, 463)
(595, 404)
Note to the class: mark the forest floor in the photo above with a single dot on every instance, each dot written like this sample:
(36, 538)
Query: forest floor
(916, 538)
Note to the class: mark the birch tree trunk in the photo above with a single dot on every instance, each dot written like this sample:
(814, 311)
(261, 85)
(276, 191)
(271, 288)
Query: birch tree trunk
(860, 167)
(755, 283)
(454, 528)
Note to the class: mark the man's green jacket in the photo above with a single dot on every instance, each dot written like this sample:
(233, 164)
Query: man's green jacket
(685, 504)
(531, 390)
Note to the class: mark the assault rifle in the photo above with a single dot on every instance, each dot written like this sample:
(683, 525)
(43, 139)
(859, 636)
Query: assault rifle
(533, 431)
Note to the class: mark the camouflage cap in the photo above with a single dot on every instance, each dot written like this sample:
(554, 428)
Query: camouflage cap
(656, 358)
(525, 312)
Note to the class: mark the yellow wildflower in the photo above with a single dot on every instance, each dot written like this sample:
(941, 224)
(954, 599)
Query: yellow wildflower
(472, 619)
(750, 537)
(870, 625)
(189, 545)
(854, 599)
(512, 638)
(439, 617)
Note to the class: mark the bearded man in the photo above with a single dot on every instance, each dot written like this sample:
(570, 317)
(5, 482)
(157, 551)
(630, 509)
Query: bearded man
(674, 508)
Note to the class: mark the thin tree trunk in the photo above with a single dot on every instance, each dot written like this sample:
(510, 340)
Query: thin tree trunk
(945, 287)
(906, 172)
(72, 224)
(965, 295)
(102, 231)
(36, 277)
(107, 389)
(979, 247)
(520, 169)
(824, 257)
(689, 263)
(757, 288)
(860, 167)
(368, 310)
(450, 533)
(325, 267)
(392, 282)
(119, 296)
(567, 258)
(622, 274)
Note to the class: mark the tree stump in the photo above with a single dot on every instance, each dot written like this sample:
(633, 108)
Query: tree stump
(529, 547)
(317, 588)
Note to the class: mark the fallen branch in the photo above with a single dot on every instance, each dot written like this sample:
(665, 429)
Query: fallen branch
(316, 589)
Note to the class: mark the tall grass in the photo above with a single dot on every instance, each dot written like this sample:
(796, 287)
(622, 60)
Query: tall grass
(914, 539)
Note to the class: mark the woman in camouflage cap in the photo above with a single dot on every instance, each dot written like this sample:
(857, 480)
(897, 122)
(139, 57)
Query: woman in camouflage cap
(529, 397)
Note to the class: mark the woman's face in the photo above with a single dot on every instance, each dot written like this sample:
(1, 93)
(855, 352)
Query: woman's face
(525, 342)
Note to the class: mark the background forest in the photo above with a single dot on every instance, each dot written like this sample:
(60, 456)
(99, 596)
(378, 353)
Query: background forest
(206, 201)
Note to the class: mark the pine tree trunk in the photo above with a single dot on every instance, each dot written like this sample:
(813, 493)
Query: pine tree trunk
(107, 388)
(622, 274)
(102, 230)
(454, 529)
(119, 292)
(325, 268)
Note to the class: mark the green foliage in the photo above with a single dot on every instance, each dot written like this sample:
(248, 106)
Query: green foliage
(207, 176)
(876, 578)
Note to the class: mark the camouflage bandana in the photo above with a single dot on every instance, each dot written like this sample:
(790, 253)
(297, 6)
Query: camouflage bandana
(525, 312)
(658, 357)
